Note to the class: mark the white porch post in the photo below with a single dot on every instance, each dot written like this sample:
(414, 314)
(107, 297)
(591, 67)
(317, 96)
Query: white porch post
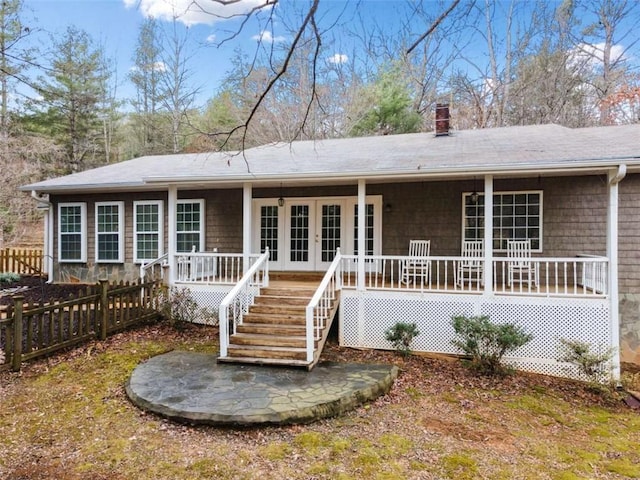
(488, 235)
(247, 192)
(362, 221)
(172, 201)
(615, 177)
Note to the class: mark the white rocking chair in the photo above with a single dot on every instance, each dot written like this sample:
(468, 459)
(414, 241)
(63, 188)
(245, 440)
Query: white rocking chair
(471, 268)
(418, 266)
(521, 269)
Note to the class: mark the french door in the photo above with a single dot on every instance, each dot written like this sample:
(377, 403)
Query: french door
(304, 233)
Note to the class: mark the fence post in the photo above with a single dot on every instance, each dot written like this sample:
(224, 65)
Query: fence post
(16, 357)
(104, 309)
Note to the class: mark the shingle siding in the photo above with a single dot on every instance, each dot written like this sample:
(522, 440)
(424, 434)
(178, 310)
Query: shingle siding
(574, 215)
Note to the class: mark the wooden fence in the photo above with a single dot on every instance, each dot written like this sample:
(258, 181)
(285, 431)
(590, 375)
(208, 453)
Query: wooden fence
(23, 261)
(32, 331)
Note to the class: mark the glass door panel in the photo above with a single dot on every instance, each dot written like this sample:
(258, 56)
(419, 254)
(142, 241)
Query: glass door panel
(300, 255)
(330, 230)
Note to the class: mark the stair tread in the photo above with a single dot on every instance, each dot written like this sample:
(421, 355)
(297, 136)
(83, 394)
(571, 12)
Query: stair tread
(264, 361)
(259, 335)
(267, 347)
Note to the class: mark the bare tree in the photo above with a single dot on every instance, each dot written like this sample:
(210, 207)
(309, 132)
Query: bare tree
(176, 93)
(604, 45)
(145, 77)
(308, 35)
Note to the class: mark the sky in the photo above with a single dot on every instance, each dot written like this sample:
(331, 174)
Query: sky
(115, 25)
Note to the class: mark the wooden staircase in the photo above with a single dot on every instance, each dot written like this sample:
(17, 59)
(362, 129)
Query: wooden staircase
(273, 332)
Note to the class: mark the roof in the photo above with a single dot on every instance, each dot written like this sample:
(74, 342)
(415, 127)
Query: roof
(535, 149)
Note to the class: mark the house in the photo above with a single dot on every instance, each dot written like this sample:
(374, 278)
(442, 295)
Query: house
(573, 194)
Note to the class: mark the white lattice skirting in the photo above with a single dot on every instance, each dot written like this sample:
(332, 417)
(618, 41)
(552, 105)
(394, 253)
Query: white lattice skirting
(209, 296)
(364, 317)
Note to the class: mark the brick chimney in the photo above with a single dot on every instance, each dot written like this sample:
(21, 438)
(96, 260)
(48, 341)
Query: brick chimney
(442, 119)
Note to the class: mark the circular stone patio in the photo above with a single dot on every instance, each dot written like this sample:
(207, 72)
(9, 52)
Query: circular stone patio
(194, 388)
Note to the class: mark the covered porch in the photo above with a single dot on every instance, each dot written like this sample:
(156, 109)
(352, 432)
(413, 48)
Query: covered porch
(572, 296)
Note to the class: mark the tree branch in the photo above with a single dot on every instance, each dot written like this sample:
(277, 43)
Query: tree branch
(433, 26)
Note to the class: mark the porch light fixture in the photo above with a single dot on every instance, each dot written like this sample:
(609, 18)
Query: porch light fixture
(474, 195)
(281, 199)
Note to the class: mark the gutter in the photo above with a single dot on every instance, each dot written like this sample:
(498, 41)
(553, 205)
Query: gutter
(43, 203)
(620, 174)
(420, 171)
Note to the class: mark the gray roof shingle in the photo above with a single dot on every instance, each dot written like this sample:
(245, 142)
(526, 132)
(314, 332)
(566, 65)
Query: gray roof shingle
(420, 155)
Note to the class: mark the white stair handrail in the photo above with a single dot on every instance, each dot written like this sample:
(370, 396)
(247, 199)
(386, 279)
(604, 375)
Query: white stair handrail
(321, 300)
(161, 260)
(239, 294)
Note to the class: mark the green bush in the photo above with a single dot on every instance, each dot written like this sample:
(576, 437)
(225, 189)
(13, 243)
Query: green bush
(8, 277)
(178, 307)
(401, 335)
(593, 365)
(486, 342)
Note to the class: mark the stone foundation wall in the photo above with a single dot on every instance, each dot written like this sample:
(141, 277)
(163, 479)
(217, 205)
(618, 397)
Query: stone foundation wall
(92, 273)
(630, 328)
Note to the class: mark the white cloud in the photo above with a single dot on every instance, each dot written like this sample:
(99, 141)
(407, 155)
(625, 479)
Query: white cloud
(267, 37)
(338, 58)
(211, 38)
(157, 66)
(192, 12)
(593, 55)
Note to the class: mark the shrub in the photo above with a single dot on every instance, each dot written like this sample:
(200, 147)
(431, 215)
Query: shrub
(9, 277)
(178, 307)
(593, 365)
(401, 335)
(486, 342)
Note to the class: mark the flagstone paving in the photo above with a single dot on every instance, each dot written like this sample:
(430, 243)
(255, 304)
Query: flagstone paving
(194, 388)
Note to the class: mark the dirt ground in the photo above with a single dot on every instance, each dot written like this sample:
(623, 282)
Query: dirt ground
(35, 289)
(440, 420)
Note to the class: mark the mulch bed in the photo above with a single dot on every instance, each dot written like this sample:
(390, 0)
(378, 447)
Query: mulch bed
(35, 289)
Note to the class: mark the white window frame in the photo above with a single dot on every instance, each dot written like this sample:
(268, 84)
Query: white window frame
(199, 201)
(159, 232)
(82, 233)
(119, 232)
(501, 193)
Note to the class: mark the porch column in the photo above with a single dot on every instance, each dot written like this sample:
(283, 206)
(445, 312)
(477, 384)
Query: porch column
(172, 221)
(247, 193)
(488, 235)
(362, 222)
(615, 177)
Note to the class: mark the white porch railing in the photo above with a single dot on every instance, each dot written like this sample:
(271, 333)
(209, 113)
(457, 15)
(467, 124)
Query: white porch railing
(584, 276)
(240, 298)
(152, 268)
(319, 308)
(210, 267)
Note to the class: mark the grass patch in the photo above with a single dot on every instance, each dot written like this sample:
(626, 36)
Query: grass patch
(460, 466)
(71, 420)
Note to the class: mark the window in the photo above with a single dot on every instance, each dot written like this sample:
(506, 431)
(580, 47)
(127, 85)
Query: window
(109, 232)
(72, 232)
(269, 220)
(147, 230)
(516, 216)
(190, 225)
